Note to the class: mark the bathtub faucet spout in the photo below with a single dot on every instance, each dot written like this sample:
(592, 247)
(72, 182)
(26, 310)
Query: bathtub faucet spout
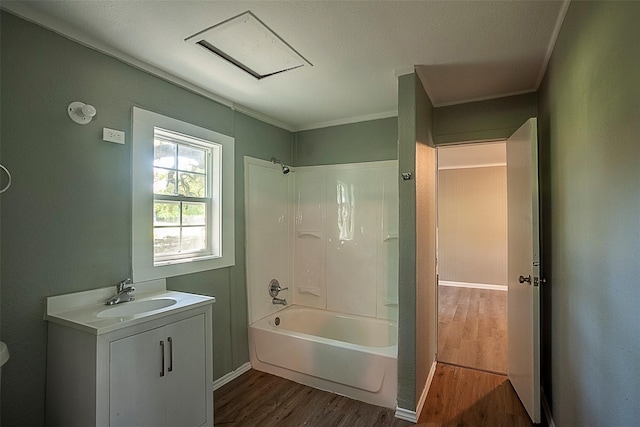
(282, 301)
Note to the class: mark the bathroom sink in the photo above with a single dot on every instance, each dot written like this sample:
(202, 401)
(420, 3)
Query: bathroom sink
(136, 307)
(86, 310)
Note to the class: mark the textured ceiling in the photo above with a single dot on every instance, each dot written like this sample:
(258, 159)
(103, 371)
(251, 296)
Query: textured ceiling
(462, 50)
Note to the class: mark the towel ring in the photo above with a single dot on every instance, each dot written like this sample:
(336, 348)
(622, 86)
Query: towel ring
(6, 187)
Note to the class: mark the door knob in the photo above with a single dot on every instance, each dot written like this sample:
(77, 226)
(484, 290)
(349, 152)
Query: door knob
(523, 279)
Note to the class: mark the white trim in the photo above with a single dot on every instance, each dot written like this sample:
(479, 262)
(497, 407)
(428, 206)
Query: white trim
(490, 287)
(263, 118)
(425, 391)
(231, 376)
(547, 409)
(406, 415)
(142, 204)
(481, 165)
(552, 42)
(470, 142)
(22, 10)
(412, 416)
(403, 71)
(348, 121)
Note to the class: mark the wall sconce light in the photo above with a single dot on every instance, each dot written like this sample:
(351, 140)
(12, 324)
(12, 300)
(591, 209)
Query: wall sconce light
(80, 112)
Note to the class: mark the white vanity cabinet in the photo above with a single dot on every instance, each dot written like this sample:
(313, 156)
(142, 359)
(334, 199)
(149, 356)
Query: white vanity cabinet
(154, 371)
(157, 377)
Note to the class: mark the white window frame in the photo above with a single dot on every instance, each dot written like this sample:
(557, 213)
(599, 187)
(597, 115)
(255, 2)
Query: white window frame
(222, 221)
(210, 199)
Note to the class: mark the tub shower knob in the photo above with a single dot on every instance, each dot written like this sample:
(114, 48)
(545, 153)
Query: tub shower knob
(274, 288)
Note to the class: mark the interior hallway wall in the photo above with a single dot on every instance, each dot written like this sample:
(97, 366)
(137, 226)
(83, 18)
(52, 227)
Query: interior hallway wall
(426, 238)
(369, 141)
(590, 175)
(472, 225)
(416, 283)
(66, 222)
(492, 119)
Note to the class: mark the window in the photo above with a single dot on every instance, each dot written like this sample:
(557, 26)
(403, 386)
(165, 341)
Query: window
(183, 190)
(183, 219)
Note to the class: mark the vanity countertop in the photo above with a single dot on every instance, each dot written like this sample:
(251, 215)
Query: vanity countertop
(86, 310)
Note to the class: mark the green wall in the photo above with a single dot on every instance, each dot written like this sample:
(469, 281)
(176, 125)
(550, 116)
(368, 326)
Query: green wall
(407, 243)
(483, 120)
(66, 221)
(357, 142)
(388, 139)
(590, 157)
(414, 338)
(425, 300)
(417, 122)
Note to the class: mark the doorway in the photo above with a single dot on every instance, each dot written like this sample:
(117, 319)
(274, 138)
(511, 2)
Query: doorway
(472, 256)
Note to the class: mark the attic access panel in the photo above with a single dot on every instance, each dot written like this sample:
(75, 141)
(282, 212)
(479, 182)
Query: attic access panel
(246, 42)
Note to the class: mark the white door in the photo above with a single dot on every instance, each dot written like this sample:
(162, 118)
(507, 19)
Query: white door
(136, 375)
(186, 383)
(524, 267)
(158, 377)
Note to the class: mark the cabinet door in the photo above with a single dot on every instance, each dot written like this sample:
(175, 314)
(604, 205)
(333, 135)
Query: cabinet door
(186, 382)
(136, 389)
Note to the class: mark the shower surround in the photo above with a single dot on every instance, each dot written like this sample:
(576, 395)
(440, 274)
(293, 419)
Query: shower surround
(330, 235)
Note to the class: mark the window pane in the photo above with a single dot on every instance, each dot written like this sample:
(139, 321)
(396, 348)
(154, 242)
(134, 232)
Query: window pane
(194, 239)
(166, 213)
(164, 181)
(194, 213)
(164, 154)
(191, 159)
(166, 240)
(191, 184)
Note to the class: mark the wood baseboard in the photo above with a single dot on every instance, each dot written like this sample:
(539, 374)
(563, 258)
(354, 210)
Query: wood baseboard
(486, 286)
(427, 386)
(231, 376)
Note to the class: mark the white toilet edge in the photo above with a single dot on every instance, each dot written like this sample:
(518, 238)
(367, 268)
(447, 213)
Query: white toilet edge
(4, 353)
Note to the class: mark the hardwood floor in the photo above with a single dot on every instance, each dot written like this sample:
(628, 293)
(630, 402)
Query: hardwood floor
(467, 397)
(260, 399)
(472, 328)
(458, 397)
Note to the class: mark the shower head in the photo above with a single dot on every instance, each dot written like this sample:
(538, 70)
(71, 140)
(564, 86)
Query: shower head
(285, 168)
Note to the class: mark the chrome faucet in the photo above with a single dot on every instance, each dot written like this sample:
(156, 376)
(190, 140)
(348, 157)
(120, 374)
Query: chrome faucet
(123, 294)
(274, 289)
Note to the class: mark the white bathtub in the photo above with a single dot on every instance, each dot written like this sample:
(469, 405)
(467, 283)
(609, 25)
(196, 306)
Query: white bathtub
(350, 355)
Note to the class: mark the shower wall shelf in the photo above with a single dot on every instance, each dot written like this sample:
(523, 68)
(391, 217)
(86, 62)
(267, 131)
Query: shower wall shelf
(309, 233)
(309, 290)
(390, 237)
